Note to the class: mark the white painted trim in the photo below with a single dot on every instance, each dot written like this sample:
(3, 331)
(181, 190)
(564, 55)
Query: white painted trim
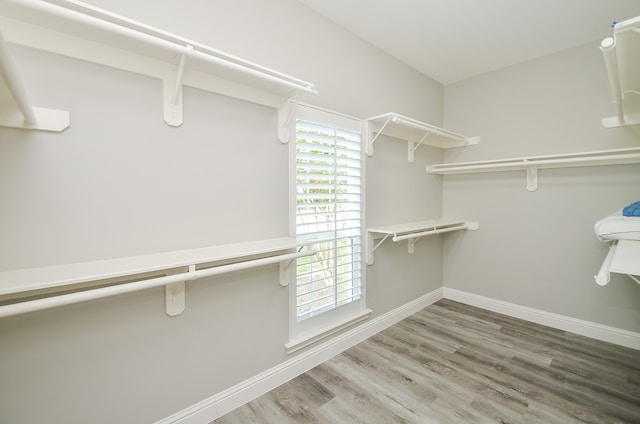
(562, 322)
(236, 396)
(227, 400)
(309, 339)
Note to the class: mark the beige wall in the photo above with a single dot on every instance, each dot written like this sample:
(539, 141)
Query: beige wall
(538, 249)
(120, 182)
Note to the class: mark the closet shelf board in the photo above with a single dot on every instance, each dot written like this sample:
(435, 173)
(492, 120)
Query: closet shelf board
(412, 232)
(533, 163)
(416, 133)
(16, 283)
(84, 32)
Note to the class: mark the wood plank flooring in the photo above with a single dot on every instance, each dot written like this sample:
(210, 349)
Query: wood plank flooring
(454, 363)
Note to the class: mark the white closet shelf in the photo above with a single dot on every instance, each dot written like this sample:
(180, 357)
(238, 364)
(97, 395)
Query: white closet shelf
(623, 258)
(84, 32)
(415, 132)
(622, 59)
(533, 163)
(16, 110)
(51, 286)
(412, 232)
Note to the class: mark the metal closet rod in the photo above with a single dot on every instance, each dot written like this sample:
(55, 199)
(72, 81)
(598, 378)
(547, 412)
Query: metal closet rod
(94, 17)
(71, 298)
(432, 232)
(14, 83)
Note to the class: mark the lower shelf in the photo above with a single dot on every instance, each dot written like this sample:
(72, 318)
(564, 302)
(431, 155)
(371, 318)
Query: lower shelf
(412, 232)
(29, 290)
(623, 258)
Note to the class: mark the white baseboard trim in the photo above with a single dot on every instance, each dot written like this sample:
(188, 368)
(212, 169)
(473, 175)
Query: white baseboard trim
(585, 328)
(228, 400)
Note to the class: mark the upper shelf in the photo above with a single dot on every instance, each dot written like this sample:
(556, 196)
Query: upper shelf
(415, 132)
(81, 31)
(533, 163)
(622, 59)
(15, 109)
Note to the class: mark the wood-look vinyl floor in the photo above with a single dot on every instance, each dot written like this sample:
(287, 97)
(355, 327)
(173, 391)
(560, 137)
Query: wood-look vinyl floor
(454, 363)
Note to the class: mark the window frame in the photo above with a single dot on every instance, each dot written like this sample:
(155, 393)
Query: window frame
(312, 329)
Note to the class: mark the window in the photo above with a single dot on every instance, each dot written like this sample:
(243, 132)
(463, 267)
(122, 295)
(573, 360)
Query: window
(329, 288)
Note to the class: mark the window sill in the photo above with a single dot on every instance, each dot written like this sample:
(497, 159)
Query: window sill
(299, 343)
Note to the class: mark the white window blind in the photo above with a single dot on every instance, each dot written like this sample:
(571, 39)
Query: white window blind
(328, 161)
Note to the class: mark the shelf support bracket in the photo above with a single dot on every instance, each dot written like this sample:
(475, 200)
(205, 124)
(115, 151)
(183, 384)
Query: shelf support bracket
(532, 178)
(285, 115)
(286, 268)
(412, 147)
(371, 248)
(172, 85)
(371, 138)
(174, 294)
(411, 245)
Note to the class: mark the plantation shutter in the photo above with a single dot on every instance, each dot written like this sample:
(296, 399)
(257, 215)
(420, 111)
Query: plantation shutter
(328, 214)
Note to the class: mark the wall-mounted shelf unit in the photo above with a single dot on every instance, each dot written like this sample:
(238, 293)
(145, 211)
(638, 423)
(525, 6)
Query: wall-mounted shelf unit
(81, 31)
(622, 59)
(415, 132)
(16, 111)
(412, 232)
(623, 258)
(533, 163)
(29, 290)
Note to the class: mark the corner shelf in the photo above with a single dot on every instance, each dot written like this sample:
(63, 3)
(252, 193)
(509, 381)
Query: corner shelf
(415, 132)
(412, 232)
(622, 58)
(15, 109)
(533, 163)
(84, 32)
(28, 290)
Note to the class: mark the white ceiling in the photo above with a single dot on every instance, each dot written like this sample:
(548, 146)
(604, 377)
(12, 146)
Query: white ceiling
(451, 40)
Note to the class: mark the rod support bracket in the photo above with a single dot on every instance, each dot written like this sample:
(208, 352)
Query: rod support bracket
(172, 91)
(174, 293)
(286, 113)
(532, 178)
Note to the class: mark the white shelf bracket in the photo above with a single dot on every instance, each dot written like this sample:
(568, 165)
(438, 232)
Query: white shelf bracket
(532, 178)
(286, 267)
(411, 245)
(371, 138)
(23, 114)
(286, 114)
(412, 147)
(371, 247)
(174, 294)
(172, 88)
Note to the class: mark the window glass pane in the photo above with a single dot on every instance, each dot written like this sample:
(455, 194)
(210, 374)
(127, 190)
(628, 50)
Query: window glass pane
(328, 212)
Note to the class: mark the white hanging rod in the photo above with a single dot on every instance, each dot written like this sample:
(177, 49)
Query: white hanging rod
(412, 232)
(434, 231)
(14, 84)
(532, 164)
(93, 17)
(192, 274)
(602, 157)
